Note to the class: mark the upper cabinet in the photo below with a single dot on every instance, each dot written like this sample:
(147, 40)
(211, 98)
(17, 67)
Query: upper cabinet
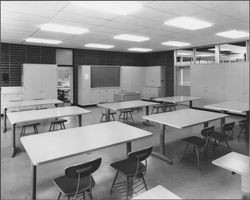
(155, 76)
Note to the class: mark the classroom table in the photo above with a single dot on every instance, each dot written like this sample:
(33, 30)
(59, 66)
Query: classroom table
(231, 107)
(75, 141)
(177, 99)
(158, 192)
(20, 104)
(36, 115)
(127, 105)
(181, 119)
(237, 163)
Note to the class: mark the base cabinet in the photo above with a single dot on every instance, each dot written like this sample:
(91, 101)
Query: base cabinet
(149, 92)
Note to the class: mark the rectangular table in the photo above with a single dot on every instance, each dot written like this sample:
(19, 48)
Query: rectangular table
(158, 192)
(238, 163)
(82, 140)
(181, 119)
(127, 105)
(19, 104)
(36, 115)
(177, 99)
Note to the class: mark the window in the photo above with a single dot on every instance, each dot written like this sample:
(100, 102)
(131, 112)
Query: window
(233, 52)
(184, 57)
(183, 76)
(205, 55)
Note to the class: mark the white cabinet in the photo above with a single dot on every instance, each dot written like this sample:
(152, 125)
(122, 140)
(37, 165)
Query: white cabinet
(39, 81)
(155, 76)
(11, 94)
(149, 92)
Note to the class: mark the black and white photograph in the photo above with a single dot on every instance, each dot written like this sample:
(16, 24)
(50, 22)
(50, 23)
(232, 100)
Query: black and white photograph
(124, 100)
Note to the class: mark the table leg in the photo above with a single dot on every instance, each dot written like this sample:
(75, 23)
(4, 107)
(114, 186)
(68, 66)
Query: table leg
(14, 141)
(80, 120)
(33, 194)
(205, 124)
(128, 147)
(190, 104)
(5, 119)
(162, 155)
(147, 123)
(222, 122)
(108, 115)
(56, 105)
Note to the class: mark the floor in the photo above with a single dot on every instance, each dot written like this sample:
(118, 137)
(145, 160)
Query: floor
(183, 177)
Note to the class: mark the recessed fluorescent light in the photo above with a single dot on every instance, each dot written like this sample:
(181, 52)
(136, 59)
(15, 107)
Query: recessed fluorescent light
(234, 34)
(140, 49)
(176, 43)
(44, 41)
(63, 29)
(188, 23)
(134, 38)
(101, 46)
(116, 7)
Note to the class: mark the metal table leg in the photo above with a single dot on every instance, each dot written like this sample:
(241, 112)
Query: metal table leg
(190, 104)
(5, 119)
(80, 120)
(108, 115)
(33, 194)
(162, 154)
(147, 123)
(128, 147)
(13, 141)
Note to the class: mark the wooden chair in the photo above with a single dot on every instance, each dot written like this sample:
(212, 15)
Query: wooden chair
(133, 170)
(243, 124)
(126, 115)
(34, 125)
(77, 180)
(57, 122)
(227, 132)
(199, 143)
(104, 117)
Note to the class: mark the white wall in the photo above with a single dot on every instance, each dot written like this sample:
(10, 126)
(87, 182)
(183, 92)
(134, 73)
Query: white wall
(220, 82)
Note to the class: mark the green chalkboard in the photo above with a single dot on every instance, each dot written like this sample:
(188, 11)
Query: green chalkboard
(105, 76)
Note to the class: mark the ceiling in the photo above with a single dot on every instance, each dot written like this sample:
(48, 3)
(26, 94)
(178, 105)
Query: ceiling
(22, 19)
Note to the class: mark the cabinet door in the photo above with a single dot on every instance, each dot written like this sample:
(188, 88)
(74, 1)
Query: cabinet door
(48, 76)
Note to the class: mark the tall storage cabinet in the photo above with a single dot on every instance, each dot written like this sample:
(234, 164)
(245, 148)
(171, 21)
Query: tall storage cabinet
(39, 81)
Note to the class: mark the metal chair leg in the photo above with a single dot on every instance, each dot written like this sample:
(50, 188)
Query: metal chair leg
(198, 157)
(143, 179)
(60, 125)
(229, 149)
(185, 151)
(111, 190)
(59, 196)
(63, 126)
(50, 127)
(131, 117)
(113, 117)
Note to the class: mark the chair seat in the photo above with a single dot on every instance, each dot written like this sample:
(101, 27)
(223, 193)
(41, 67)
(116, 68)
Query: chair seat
(218, 136)
(195, 140)
(58, 121)
(127, 110)
(128, 167)
(67, 186)
(31, 124)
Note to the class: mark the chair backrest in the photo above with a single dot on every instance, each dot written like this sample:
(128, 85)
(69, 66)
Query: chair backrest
(141, 154)
(84, 169)
(206, 132)
(228, 126)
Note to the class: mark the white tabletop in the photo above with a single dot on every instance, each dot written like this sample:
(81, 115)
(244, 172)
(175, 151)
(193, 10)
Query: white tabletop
(176, 99)
(158, 192)
(33, 115)
(47, 147)
(234, 162)
(13, 104)
(184, 118)
(127, 104)
(231, 106)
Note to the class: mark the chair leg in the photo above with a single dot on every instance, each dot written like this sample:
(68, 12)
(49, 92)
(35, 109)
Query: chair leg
(113, 117)
(90, 195)
(131, 117)
(119, 118)
(50, 127)
(63, 126)
(21, 134)
(198, 157)
(143, 179)
(229, 149)
(111, 190)
(59, 196)
(185, 151)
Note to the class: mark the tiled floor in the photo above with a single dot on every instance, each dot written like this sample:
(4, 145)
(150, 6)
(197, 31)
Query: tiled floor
(183, 178)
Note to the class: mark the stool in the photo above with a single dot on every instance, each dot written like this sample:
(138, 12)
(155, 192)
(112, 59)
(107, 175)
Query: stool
(124, 115)
(105, 116)
(157, 107)
(170, 106)
(34, 125)
(57, 122)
